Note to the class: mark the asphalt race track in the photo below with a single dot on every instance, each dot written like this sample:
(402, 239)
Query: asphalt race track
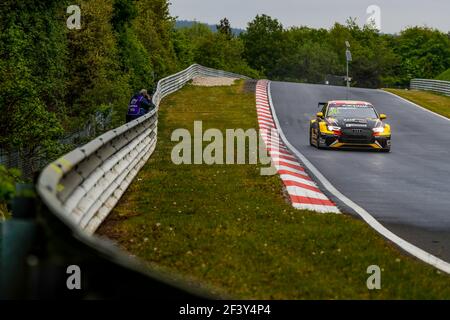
(407, 190)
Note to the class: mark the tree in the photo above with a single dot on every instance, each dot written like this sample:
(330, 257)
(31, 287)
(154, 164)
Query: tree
(8, 180)
(124, 12)
(373, 58)
(134, 58)
(224, 28)
(32, 63)
(154, 27)
(307, 56)
(216, 49)
(424, 52)
(184, 49)
(94, 69)
(263, 43)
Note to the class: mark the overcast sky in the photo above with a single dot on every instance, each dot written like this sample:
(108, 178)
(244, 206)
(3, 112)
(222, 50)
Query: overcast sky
(395, 14)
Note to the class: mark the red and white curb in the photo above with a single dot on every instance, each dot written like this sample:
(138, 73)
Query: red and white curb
(303, 191)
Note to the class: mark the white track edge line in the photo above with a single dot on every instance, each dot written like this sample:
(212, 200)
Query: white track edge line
(264, 98)
(405, 245)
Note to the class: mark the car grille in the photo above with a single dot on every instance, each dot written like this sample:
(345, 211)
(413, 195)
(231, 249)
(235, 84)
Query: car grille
(356, 135)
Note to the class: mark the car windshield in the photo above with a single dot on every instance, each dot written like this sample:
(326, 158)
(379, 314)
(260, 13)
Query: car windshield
(352, 111)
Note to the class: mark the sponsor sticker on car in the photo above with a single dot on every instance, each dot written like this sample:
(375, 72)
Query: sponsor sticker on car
(356, 125)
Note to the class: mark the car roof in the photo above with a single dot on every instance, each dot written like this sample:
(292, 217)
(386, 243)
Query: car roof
(349, 102)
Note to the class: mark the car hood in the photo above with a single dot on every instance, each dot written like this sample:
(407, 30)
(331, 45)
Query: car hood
(346, 123)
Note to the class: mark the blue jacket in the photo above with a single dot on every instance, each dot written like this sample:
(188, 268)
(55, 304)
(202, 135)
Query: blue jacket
(139, 105)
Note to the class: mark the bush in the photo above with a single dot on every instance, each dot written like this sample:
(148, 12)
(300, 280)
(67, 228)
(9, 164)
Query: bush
(8, 180)
(444, 76)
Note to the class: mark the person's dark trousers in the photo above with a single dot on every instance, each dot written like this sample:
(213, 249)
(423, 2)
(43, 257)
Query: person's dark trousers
(131, 118)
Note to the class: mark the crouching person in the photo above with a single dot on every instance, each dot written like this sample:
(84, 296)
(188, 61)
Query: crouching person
(140, 104)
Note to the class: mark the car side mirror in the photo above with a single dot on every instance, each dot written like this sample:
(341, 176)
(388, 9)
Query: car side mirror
(319, 114)
(383, 116)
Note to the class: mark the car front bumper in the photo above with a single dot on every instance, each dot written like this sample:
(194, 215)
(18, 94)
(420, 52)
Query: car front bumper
(343, 141)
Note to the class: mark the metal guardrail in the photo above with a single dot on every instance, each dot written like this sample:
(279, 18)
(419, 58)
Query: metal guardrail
(48, 234)
(438, 86)
(82, 187)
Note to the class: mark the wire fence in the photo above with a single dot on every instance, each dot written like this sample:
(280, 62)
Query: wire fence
(30, 162)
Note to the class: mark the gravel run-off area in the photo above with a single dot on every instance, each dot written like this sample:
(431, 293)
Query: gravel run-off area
(213, 81)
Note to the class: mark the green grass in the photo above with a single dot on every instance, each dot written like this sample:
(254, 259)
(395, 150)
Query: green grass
(231, 229)
(444, 76)
(432, 101)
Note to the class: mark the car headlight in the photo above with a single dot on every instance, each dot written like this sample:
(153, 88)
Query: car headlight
(334, 128)
(378, 130)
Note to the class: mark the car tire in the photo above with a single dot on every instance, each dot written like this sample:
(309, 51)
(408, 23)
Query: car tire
(386, 149)
(310, 137)
(318, 141)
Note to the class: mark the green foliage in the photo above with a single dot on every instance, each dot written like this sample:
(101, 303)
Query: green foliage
(33, 56)
(424, 52)
(50, 75)
(154, 28)
(135, 60)
(304, 58)
(95, 76)
(52, 78)
(308, 55)
(8, 180)
(215, 49)
(373, 59)
(184, 49)
(444, 75)
(224, 28)
(263, 43)
(124, 12)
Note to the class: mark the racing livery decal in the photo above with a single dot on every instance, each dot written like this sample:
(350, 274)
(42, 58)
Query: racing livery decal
(349, 124)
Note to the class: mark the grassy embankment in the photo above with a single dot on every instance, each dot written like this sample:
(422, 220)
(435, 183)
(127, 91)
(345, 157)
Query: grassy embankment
(432, 101)
(444, 75)
(230, 228)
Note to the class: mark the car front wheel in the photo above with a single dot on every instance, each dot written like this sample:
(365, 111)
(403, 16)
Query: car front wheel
(310, 137)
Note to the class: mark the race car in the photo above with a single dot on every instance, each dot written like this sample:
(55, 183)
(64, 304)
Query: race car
(349, 124)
